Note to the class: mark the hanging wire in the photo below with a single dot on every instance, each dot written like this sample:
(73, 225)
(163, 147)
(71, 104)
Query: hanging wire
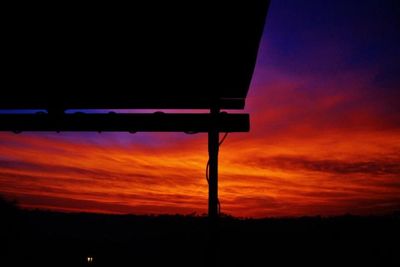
(207, 171)
(223, 139)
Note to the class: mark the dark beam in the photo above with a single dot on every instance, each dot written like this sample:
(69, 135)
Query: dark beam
(87, 101)
(114, 122)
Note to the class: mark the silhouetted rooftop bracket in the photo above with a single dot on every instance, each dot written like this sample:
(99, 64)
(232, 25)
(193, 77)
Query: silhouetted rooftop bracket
(197, 54)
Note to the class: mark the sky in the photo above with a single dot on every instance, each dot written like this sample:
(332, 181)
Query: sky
(324, 139)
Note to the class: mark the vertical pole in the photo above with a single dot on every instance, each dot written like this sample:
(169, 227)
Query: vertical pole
(213, 148)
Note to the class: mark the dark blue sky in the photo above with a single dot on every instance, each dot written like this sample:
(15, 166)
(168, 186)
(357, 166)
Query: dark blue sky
(330, 36)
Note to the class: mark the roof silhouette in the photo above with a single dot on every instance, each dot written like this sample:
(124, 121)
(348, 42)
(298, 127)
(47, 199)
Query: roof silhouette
(192, 54)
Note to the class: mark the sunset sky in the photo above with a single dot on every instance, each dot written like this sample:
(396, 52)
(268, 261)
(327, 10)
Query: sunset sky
(324, 139)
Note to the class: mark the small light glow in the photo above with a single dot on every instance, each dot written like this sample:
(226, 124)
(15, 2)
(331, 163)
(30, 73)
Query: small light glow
(90, 259)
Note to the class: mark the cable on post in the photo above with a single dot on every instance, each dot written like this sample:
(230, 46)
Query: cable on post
(208, 168)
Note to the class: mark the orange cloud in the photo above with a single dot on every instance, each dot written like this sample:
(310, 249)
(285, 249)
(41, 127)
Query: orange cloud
(324, 174)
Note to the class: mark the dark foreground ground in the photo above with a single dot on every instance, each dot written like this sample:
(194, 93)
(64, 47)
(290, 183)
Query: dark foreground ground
(33, 238)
